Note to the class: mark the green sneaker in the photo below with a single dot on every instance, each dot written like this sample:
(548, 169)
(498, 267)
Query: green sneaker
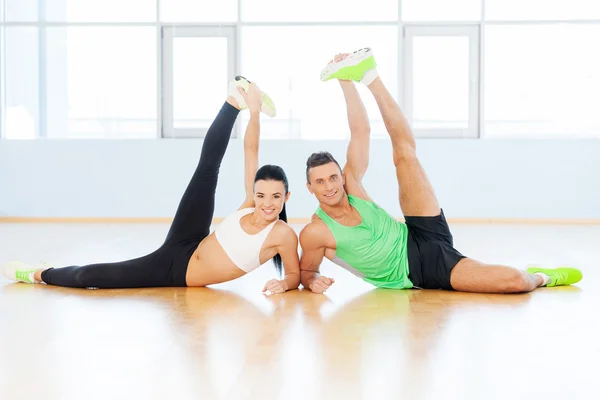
(267, 106)
(19, 272)
(351, 68)
(559, 276)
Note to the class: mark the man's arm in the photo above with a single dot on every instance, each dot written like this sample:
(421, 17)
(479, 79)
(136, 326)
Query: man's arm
(313, 252)
(357, 156)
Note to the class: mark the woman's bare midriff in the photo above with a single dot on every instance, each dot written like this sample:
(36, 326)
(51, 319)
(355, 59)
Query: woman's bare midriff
(210, 264)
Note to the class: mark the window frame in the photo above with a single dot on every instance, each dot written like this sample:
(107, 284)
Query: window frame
(470, 31)
(169, 33)
(2, 72)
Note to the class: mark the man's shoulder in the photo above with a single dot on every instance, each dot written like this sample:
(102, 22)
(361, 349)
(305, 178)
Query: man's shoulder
(315, 232)
(316, 225)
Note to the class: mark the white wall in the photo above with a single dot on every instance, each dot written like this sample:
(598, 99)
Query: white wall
(145, 178)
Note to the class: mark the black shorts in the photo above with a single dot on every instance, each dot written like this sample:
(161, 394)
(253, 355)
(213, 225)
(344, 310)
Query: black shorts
(431, 255)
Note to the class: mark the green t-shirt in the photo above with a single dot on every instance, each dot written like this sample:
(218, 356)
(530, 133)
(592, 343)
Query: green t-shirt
(375, 250)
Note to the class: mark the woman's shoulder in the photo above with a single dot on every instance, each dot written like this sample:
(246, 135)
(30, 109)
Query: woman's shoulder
(283, 227)
(283, 231)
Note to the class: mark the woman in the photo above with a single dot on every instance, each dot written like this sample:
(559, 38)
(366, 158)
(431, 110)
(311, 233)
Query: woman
(190, 256)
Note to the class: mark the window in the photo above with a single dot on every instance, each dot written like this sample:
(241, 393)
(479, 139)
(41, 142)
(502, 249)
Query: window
(198, 64)
(199, 86)
(198, 10)
(100, 11)
(318, 10)
(441, 10)
(21, 77)
(542, 9)
(441, 75)
(97, 87)
(81, 10)
(542, 80)
(20, 10)
(160, 68)
(306, 106)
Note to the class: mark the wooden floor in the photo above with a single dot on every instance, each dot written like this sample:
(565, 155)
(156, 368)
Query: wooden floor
(232, 342)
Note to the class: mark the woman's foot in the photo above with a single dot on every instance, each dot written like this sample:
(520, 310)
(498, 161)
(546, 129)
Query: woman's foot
(268, 107)
(20, 272)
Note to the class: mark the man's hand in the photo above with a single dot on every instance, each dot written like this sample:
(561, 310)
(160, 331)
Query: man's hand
(274, 286)
(313, 239)
(321, 284)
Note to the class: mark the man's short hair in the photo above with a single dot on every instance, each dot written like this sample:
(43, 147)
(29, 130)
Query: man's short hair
(318, 159)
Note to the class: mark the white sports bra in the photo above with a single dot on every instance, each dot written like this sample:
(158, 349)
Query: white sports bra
(242, 248)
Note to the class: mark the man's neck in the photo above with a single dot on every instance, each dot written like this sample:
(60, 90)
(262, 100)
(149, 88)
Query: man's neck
(339, 210)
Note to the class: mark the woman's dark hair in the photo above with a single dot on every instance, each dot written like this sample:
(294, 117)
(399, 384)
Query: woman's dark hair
(275, 173)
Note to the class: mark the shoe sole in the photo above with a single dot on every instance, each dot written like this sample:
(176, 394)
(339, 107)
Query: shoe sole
(364, 62)
(268, 107)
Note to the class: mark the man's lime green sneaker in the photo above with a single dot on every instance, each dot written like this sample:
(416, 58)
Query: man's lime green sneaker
(559, 276)
(19, 272)
(351, 68)
(267, 106)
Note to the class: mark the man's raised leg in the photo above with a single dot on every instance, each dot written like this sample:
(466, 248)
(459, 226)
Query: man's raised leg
(417, 196)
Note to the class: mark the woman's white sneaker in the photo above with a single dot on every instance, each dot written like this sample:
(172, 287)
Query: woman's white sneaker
(19, 272)
(267, 106)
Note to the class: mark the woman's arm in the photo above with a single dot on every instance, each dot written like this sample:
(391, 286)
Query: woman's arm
(251, 140)
(288, 250)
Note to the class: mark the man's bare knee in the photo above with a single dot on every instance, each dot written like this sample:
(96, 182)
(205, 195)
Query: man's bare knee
(516, 282)
(402, 137)
(404, 153)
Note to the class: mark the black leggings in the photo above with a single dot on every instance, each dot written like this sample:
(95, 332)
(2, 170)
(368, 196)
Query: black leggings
(167, 265)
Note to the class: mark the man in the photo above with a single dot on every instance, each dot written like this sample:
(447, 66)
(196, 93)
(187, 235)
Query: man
(351, 230)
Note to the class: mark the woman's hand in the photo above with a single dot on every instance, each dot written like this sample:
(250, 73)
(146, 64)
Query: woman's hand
(253, 98)
(274, 286)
